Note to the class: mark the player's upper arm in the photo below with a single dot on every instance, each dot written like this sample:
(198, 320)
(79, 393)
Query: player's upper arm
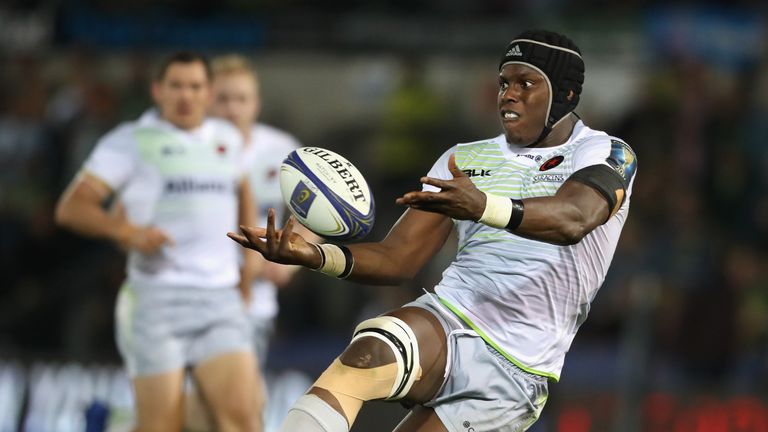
(115, 157)
(108, 168)
(607, 166)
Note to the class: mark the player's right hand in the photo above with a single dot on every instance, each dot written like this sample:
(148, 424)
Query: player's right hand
(147, 240)
(281, 246)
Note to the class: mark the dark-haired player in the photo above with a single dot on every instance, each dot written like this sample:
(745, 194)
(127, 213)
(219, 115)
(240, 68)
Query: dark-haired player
(538, 209)
(177, 174)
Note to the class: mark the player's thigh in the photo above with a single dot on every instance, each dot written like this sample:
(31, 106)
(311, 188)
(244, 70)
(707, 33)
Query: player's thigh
(230, 385)
(159, 401)
(197, 416)
(421, 419)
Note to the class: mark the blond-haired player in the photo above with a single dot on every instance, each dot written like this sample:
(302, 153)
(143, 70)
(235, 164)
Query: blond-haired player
(236, 97)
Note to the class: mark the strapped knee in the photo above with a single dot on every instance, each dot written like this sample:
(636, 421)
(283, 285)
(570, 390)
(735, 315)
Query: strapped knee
(391, 381)
(399, 336)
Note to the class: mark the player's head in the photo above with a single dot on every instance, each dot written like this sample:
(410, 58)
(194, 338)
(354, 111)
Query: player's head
(540, 78)
(182, 89)
(235, 90)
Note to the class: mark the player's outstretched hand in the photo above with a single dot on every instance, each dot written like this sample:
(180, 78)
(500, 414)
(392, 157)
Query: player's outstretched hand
(282, 246)
(458, 197)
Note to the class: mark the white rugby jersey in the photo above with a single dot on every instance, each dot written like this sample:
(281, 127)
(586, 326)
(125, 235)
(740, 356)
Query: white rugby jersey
(268, 148)
(183, 182)
(525, 297)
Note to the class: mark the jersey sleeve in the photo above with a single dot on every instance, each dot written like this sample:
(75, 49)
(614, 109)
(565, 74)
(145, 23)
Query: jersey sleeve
(440, 170)
(114, 158)
(611, 152)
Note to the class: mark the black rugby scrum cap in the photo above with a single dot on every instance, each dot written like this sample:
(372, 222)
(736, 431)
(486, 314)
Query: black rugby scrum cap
(559, 60)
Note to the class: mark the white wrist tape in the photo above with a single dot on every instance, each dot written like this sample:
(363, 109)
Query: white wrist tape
(335, 261)
(498, 210)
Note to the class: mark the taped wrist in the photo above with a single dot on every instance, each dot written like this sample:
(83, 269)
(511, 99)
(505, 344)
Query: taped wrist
(498, 210)
(502, 212)
(335, 260)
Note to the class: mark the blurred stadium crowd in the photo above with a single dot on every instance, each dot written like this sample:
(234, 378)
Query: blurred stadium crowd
(677, 337)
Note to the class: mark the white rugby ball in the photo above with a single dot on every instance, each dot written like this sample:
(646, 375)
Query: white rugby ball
(327, 194)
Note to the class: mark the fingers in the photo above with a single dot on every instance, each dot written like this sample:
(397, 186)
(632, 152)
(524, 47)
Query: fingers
(252, 234)
(271, 235)
(239, 239)
(285, 236)
(442, 184)
(150, 240)
(416, 198)
(453, 168)
(257, 232)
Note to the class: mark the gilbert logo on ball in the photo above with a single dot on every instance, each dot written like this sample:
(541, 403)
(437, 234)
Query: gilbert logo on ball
(327, 194)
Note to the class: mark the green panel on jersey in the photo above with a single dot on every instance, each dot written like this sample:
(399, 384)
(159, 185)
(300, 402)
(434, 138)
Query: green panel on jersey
(172, 156)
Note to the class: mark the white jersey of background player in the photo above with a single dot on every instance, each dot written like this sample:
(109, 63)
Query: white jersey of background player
(177, 175)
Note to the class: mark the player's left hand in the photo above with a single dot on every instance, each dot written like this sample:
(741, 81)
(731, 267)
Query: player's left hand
(458, 198)
(282, 246)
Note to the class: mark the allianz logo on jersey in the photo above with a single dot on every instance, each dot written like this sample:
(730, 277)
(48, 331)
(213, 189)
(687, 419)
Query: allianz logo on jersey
(192, 185)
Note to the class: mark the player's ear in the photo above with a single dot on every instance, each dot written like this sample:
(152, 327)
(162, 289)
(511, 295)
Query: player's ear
(155, 90)
(570, 95)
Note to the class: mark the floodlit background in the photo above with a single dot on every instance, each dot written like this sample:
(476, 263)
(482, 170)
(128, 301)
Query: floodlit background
(677, 339)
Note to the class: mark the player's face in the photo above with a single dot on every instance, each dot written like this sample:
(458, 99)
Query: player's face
(236, 98)
(523, 102)
(183, 95)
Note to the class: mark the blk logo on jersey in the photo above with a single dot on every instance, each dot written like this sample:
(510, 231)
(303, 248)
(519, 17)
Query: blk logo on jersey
(477, 173)
(301, 199)
(551, 163)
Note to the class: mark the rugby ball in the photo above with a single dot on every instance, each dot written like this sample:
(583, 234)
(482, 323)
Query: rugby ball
(327, 194)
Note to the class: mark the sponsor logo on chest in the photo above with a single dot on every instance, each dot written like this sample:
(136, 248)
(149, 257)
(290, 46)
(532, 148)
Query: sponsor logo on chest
(474, 172)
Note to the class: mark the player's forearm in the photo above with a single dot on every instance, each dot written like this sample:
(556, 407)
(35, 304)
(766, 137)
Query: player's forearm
(413, 241)
(247, 214)
(550, 220)
(89, 220)
(252, 267)
(377, 264)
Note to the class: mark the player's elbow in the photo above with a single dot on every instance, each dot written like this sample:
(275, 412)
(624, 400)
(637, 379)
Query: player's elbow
(572, 232)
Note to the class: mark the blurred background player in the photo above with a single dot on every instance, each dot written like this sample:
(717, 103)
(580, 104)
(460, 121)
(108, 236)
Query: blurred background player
(178, 176)
(539, 210)
(236, 98)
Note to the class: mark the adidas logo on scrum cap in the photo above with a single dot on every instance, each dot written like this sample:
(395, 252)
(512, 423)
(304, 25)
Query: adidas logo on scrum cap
(515, 51)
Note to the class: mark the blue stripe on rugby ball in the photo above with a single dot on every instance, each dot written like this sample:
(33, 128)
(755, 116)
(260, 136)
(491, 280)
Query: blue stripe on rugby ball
(359, 224)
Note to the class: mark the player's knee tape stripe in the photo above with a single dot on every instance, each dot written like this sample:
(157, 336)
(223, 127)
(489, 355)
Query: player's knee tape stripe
(401, 339)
